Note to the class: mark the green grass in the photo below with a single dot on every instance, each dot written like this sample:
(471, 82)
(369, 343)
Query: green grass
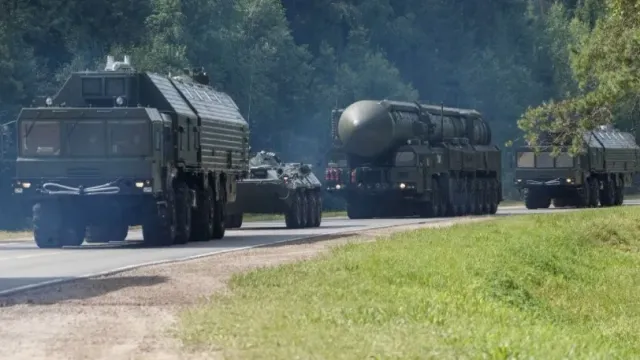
(536, 286)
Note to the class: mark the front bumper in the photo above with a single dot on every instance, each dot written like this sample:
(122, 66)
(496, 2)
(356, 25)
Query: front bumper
(524, 183)
(30, 187)
(401, 189)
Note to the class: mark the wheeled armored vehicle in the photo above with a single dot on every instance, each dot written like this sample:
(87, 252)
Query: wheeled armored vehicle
(276, 187)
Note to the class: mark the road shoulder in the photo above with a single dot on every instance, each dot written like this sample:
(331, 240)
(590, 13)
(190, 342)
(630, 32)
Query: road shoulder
(133, 314)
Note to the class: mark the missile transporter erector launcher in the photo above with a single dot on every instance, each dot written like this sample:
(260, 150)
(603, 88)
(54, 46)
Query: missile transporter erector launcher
(276, 187)
(597, 177)
(392, 158)
(120, 147)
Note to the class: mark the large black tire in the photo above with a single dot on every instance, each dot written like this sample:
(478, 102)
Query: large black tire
(183, 213)
(312, 208)
(494, 200)
(318, 219)
(202, 220)
(219, 216)
(233, 221)
(238, 220)
(607, 195)
(160, 231)
(304, 209)
(293, 216)
(478, 196)
(51, 230)
(107, 233)
(559, 202)
(619, 196)
(436, 199)
(594, 192)
(485, 197)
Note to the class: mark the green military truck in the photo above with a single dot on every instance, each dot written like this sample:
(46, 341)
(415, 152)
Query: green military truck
(120, 147)
(393, 158)
(595, 177)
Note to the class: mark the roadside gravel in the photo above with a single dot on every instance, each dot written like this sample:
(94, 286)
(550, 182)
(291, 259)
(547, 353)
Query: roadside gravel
(131, 315)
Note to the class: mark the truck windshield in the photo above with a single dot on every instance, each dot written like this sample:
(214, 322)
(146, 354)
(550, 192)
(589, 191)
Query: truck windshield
(405, 158)
(40, 138)
(526, 159)
(85, 138)
(129, 138)
(544, 160)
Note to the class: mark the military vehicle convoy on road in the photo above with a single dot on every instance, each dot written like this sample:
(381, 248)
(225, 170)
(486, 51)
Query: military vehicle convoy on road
(276, 187)
(120, 147)
(596, 177)
(392, 158)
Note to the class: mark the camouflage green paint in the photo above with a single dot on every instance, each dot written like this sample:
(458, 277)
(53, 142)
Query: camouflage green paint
(399, 157)
(610, 160)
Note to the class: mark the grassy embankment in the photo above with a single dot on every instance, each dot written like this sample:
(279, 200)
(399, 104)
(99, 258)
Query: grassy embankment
(9, 235)
(538, 286)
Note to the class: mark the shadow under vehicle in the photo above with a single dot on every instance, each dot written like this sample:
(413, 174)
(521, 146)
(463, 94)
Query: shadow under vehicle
(393, 158)
(276, 187)
(594, 178)
(119, 147)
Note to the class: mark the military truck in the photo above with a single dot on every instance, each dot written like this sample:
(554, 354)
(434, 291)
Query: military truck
(120, 147)
(393, 158)
(594, 178)
(276, 187)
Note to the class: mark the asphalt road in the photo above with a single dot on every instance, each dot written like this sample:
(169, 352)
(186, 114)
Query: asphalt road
(22, 264)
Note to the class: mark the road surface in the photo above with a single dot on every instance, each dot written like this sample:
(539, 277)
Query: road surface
(22, 264)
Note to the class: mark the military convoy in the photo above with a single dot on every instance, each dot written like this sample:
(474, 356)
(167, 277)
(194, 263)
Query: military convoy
(392, 158)
(120, 147)
(596, 177)
(276, 187)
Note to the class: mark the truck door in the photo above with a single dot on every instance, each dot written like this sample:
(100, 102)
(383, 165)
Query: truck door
(167, 139)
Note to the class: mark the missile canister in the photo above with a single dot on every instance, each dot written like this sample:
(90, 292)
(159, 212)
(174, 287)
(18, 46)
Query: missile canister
(367, 128)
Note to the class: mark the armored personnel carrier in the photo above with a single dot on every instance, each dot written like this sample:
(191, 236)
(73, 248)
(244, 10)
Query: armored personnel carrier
(393, 158)
(594, 178)
(120, 147)
(276, 187)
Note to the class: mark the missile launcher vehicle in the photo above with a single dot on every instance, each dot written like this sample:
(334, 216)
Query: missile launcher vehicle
(393, 158)
(276, 187)
(597, 177)
(120, 147)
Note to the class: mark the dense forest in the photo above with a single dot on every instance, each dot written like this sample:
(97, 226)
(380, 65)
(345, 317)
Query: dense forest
(287, 63)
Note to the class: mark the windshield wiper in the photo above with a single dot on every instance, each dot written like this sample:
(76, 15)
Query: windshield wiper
(73, 127)
(26, 135)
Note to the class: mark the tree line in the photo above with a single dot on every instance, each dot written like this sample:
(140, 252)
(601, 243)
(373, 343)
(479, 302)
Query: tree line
(287, 63)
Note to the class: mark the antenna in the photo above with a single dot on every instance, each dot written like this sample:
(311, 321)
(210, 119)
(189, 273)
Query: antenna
(442, 120)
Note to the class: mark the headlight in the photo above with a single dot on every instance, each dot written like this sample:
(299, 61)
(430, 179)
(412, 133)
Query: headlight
(569, 181)
(139, 184)
(403, 185)
(48, 101)
(26, 185)
(120, 100)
